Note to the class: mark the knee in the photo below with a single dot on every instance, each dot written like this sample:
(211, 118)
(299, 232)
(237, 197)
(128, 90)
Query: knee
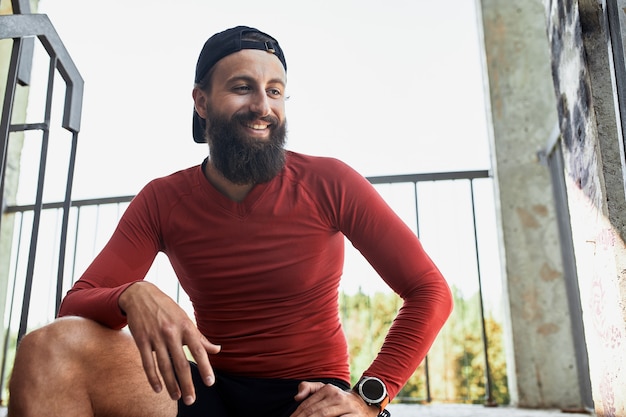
(51, 357)
(63, 339)
(49, 335)
(38, 352)
(55, 349)
(39, 343)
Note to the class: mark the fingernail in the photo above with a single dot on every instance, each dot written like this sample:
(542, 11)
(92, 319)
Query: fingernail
(189, 400)
(210, 380)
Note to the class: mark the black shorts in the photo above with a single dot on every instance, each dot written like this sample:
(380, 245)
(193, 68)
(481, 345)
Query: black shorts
(237, 396)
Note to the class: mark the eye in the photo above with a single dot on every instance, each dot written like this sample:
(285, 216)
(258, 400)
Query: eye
(275, 92)
(242, 89)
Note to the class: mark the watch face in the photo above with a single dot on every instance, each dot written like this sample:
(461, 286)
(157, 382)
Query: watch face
(373, 389)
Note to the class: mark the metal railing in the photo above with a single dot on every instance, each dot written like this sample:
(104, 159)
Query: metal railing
(469, 177)
(552, 158)
(92, 221)
(22, 28)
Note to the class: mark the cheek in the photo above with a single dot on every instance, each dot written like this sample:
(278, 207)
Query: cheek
(231, 105)
(279, 111)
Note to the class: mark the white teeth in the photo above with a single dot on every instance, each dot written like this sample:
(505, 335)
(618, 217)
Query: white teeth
(258, 127)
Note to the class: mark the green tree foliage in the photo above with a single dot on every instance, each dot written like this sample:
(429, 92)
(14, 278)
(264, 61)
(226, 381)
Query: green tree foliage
(366, 321)
(455, 365)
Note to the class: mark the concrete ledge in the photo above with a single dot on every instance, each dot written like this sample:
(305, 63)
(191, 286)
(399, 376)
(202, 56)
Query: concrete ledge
(470, 410)
(457, 410)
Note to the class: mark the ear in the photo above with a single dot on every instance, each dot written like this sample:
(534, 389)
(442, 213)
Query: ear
(200, 101)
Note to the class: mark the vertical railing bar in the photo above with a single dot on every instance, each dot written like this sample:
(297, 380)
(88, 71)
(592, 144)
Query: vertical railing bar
(489, 402)
(66, 217)
(30, 271)
(57, 233)
(28, 45)
(417, 217)
(73, 276)
(568, 257)
(7, 334)
(466, 360)
(7, 111)
(417, 231)
(94, 248)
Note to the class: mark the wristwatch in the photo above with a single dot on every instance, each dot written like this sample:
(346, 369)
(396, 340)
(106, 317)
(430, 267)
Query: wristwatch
(373, 392)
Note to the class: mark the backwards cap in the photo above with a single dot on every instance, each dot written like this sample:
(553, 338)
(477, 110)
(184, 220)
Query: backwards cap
(221, 45)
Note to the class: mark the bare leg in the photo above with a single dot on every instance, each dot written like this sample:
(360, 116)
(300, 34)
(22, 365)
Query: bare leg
(75, 367)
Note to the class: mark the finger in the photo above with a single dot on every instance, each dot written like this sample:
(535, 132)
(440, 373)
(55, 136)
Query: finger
(183, 375)
(323, 399)
(210, 347)
(200, 351)
(149, 366)
(164, 362)
(309, 404)
(306, 389)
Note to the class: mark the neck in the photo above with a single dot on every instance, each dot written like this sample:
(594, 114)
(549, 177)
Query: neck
(235, 192)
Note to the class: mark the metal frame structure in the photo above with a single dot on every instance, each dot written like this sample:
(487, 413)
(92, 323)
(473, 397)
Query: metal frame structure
(552, 157)
(23, 28)
(445, 176)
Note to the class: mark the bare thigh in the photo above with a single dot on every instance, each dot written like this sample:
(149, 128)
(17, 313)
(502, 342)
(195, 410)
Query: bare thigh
(76, 367)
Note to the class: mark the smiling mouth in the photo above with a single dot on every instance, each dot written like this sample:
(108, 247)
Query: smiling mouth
(257, 126)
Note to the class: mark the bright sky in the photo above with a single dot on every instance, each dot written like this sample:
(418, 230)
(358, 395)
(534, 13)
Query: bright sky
(391, 86)
(388, 86)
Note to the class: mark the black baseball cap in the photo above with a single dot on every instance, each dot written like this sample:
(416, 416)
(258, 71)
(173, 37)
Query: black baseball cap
(221, 45)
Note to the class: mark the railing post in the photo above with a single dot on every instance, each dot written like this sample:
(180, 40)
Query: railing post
(22, 28)
(429, 397)
(489, 401)
(65, 223)
(32, 255)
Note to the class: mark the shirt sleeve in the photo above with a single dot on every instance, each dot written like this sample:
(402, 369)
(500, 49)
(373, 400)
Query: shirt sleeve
(397, 255)
(125, 259)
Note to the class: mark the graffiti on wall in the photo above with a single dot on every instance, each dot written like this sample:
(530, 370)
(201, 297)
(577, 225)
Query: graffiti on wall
(596, 240)
(574, 99)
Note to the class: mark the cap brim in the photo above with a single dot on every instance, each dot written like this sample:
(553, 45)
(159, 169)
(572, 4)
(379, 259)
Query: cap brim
(199, 125)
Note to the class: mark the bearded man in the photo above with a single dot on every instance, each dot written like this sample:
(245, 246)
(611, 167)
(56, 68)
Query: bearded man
(255, 235)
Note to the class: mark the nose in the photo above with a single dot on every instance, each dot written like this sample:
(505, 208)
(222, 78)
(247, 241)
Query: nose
(260, 104)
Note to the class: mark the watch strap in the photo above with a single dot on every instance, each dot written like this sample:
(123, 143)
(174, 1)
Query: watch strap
(383, 404)
(383, 408)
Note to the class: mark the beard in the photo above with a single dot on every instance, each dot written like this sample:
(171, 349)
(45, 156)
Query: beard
(239, 158)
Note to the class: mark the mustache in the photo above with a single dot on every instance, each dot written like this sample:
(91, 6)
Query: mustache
(243, 117)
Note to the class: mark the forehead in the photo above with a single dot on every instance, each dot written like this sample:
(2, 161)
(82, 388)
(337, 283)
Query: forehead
(252, 63)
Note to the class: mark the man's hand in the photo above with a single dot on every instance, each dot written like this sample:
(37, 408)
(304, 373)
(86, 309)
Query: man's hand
(160, 329)
(327, 400)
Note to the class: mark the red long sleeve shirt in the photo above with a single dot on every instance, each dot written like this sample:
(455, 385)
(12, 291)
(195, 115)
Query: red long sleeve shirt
(263, 274)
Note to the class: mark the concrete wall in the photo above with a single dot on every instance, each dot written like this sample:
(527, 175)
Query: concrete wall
(584, 83)
(541, 357)
(551, 62)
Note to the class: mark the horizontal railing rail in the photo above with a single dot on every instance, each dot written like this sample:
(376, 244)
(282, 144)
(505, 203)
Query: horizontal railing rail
(74, 203)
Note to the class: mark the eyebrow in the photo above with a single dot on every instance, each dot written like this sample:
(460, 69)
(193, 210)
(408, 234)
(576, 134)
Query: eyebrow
(253, 80)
